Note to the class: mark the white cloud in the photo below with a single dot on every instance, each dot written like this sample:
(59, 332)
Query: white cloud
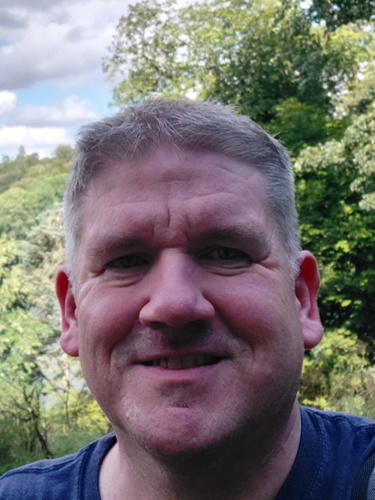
(61, 42)
(32, 138)
(55, 45)
(72, 111)
(10, 20)
(7, 101)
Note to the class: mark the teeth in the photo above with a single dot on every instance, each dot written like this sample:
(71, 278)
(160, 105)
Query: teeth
(202, 360)
(189, 361)
(175, 363)
(183, 362)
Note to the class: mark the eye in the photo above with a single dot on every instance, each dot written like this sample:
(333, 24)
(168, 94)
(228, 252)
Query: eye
(225, 256)
(129, 261)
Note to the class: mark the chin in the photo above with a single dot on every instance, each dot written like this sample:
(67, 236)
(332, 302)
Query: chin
(174, 432)
(181, 430)
(183, 434)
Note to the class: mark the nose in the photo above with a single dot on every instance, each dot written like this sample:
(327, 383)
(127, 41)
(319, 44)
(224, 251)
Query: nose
(175, 295)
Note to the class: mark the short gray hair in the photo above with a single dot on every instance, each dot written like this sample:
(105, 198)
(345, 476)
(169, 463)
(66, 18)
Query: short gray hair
(141, 129)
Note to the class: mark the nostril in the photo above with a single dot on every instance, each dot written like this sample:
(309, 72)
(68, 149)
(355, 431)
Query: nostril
(174, 306)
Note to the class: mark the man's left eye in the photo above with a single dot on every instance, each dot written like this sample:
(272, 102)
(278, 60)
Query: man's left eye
(129, 261)
(226, 256)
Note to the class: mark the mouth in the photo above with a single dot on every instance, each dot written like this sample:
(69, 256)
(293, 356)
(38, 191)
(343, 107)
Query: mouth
(184, 362)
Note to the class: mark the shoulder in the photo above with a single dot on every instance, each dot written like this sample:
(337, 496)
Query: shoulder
(333, 448)
(346, 442)
(339, 424)
(346, 439)
(57, 478)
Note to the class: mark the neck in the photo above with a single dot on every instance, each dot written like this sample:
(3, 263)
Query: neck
(247, 471)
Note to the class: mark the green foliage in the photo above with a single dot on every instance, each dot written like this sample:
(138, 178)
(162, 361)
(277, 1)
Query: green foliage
(336, 185)
(267, 58)
(35, 186)
(46, 408)
(339, 12)
(155, 38)
(296, 130)
(20, 205)
(335, 373)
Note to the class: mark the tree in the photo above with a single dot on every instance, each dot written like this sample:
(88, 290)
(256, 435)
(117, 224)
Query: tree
(20, 204)
(21, 339)
(44, 399)
(46, 408)
(336, 375)
(267, 58)
(64, 153)
(336, 186)
(146, 52)
(340, 12)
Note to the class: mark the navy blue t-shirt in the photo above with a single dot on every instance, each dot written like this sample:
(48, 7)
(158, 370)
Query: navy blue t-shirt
(333, 447)
(73, 477)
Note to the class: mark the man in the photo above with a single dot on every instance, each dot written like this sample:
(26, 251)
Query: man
(190, 304)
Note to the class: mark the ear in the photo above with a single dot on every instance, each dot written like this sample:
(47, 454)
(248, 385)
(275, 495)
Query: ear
(307, 285)
(69, 339)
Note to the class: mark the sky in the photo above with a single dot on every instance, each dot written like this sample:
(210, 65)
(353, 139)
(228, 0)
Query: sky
(51, 78)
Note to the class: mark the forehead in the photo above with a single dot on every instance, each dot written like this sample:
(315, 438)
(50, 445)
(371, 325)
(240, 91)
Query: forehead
(182, 173)
(171, 189)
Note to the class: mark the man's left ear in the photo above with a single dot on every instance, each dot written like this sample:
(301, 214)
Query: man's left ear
(307, 285)
(69, 339)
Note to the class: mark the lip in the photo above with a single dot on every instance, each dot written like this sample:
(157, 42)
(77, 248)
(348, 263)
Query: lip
(199, 374)
(181, 360)
(181, 366)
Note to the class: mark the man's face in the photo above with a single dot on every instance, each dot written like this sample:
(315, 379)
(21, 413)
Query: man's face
(185, 314)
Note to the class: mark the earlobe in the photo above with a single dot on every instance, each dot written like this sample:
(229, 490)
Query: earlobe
(306, 289)
(69, 339)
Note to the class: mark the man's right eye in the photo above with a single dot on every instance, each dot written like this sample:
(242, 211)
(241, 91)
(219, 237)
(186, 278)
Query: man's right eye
(129, 261)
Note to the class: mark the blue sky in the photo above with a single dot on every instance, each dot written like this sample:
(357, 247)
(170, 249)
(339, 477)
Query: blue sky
(51, 78)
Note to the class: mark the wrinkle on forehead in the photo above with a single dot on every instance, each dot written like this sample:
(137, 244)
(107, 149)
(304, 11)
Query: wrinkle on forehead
(171, 189)
(186, 230)
(175, 166)
(180, 186)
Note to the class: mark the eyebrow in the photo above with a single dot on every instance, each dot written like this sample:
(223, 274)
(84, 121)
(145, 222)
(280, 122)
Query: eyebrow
(114, 242)
(249, 239)
(234, 233)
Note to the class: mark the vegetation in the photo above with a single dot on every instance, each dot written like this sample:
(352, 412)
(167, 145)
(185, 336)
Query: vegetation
(308, 76)
(46, 409)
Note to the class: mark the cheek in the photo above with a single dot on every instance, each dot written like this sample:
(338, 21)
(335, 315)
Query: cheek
(105, 324)
(106, 318)
(267, 318)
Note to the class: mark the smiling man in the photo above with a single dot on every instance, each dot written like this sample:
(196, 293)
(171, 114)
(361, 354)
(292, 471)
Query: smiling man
(190, 303)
